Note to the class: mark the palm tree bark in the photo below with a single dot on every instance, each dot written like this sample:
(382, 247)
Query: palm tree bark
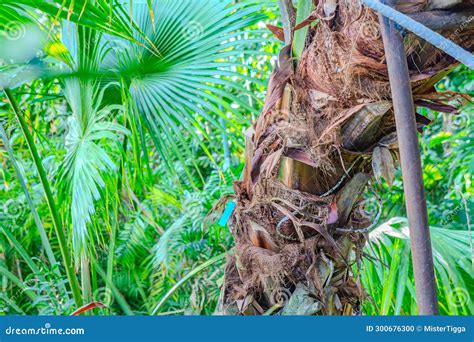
(300, 224)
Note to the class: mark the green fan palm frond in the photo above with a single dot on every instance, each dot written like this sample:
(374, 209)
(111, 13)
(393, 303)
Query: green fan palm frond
(181, 60)
(191, 81)
(85, 160)
(388, 275)
(102, 15)
(89, 129)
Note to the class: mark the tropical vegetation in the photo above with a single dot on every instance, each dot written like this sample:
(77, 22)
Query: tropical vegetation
(122, 129)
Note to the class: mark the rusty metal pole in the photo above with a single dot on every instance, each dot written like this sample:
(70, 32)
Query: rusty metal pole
(411, 167)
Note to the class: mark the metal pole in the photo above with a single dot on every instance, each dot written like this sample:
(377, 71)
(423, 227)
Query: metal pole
(411, 167)
(432, 37)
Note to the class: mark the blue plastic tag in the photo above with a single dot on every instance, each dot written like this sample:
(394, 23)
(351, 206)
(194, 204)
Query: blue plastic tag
(229, 209)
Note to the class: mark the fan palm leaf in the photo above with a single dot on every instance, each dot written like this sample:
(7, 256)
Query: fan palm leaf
(89, 125)
(191, 82)
(388, 276)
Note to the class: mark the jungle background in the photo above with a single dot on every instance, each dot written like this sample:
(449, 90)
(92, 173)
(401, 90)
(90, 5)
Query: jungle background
(138, 114)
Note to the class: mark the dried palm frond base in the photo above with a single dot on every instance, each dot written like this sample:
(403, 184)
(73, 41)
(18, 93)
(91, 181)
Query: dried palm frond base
(326, 129)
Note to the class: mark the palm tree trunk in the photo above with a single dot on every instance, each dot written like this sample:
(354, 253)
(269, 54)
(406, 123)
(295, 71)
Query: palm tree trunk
(326, 129)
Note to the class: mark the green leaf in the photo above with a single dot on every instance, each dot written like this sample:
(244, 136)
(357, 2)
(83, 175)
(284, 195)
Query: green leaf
(175, 90)
(453, 267)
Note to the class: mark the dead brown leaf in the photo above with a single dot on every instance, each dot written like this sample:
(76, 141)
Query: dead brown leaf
(277, 31)
(383, 165)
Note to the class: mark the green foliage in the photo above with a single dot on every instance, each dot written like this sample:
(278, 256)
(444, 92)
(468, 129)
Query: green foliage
(115, 109)
(448, 162)
(89, 124)
(447, 157)
(388, 273)
(137, 113)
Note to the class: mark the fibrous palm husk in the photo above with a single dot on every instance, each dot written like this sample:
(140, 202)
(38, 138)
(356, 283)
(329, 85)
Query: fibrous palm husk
(299, 225)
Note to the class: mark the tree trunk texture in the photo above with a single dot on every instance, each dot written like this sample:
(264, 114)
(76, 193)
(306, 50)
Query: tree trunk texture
(327, 128)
